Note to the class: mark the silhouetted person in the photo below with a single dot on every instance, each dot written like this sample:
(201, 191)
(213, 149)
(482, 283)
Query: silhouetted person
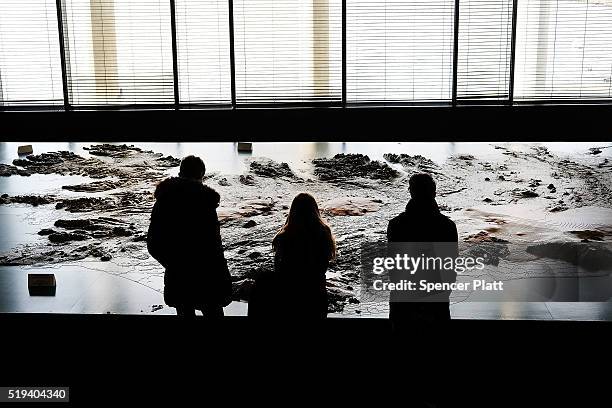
(303, 248)
(184, 237)
(423, 224)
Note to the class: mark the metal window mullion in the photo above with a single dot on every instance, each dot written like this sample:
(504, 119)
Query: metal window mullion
(232, 53)
(512, 53)
(343, 98)
(177, 99)
(455, 53)
(60, 31)
(1, 92)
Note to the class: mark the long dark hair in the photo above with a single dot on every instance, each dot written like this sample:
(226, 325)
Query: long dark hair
(304, 221)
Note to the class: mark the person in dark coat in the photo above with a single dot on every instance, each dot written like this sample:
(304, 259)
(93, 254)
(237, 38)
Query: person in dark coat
(296, 289)
(423, 224)
(184, 237)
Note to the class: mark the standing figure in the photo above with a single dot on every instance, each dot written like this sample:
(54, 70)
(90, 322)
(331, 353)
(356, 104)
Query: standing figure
(184, 237)
(423, 224)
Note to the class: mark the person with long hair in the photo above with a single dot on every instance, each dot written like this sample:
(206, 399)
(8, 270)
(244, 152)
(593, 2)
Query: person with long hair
(303, 249)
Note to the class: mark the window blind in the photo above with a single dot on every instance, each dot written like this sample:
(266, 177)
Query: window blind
(203, 51)
(564, 50)
(399, 50)
(288, 51)
(485, 48)
(30, 67)
(118, 52)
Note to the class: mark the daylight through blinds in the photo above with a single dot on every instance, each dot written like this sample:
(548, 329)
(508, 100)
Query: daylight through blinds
(288, 51)
(564, 49)
(202, 37)
(30, 68)
(399, 50)
(485, 42)
(119, 53)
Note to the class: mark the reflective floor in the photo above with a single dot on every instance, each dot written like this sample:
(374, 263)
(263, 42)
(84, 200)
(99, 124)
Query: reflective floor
(84, 290)
(81, 290)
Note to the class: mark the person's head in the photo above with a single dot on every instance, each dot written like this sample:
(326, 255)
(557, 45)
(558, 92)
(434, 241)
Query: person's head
(304, 220)
(422, 187)
(304, 211)
(192, 167)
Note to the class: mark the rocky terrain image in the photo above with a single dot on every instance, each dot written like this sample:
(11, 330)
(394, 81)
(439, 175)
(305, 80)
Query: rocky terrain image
(97, 208)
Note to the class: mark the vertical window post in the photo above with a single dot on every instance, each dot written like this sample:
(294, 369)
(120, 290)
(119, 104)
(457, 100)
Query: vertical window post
(60, 30)
(177, 98)
(231, 51)
(343, 53)
(1, 93)
(455, 53)
(512, 53)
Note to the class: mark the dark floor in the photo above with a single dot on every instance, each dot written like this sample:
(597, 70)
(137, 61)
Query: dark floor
(123, 359)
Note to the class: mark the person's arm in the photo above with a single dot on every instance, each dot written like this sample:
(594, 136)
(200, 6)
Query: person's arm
(156, 236)
(278, 255)
(212, 222)
(218, 242)
(221, 268)
(390, 235)
(453, 252)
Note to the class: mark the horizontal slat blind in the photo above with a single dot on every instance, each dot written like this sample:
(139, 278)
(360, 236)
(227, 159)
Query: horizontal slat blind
(202, 37)
(399, 50)
(30, 67)
(564, 49)
(288, 51)
(485, 37)
(119, 52)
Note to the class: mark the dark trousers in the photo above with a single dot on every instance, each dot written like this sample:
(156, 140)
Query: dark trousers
(210, 312)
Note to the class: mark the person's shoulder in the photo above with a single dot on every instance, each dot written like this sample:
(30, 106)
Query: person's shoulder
(398, 219)
(447, 222)
(181, 187)
(166, 187)
(210, 195)
(446, 219)
(325, 229)
(279, 239)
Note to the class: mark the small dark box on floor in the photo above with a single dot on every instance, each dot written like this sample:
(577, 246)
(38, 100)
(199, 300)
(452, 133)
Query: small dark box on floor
(245, 147)
(41, 284)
